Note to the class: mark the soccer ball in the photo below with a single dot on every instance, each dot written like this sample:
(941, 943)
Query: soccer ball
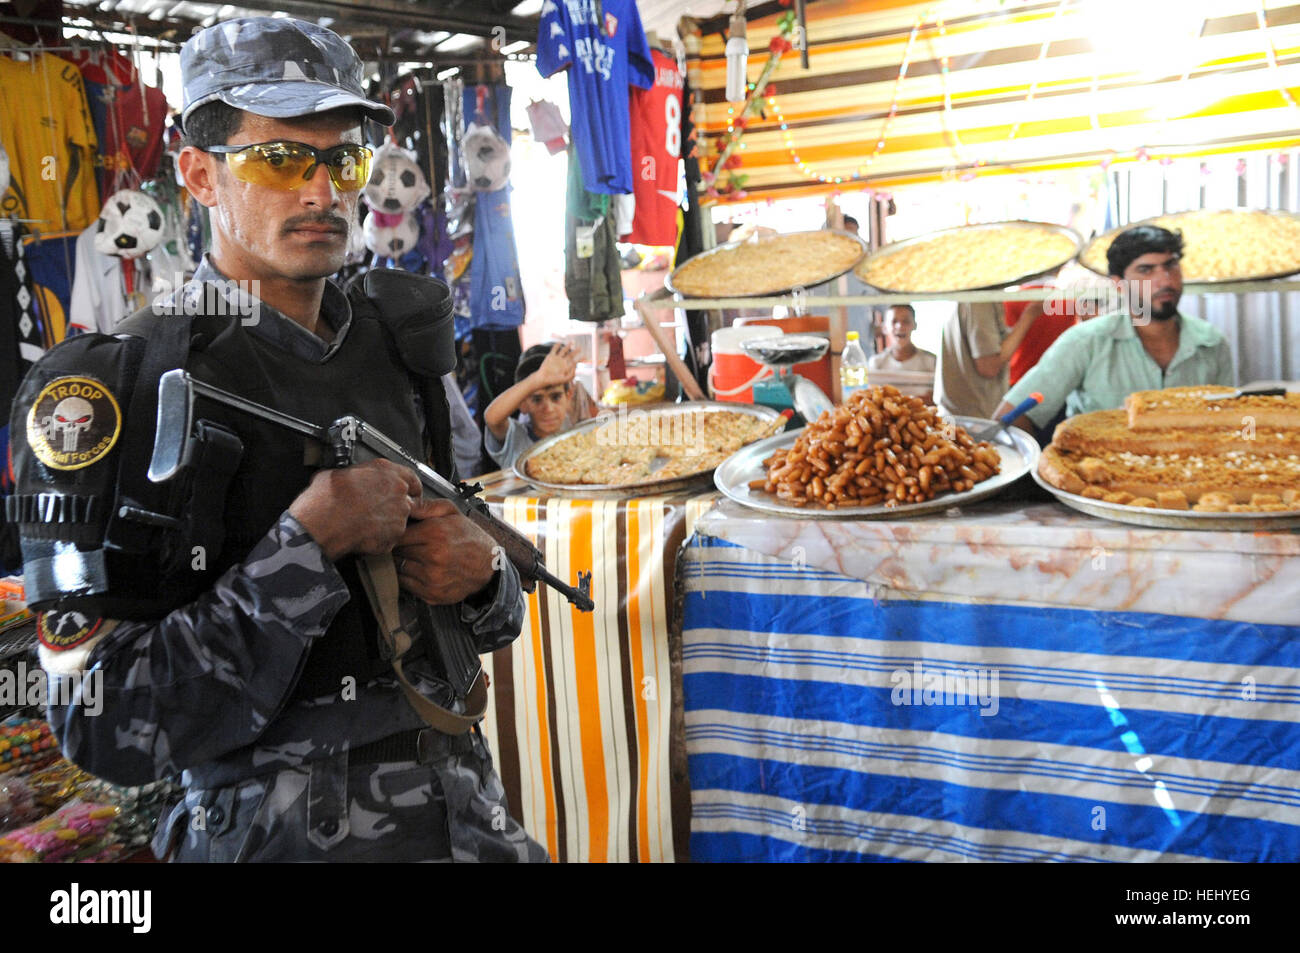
(391, 240)
(487, 159)
(397, 184)
(130, 224)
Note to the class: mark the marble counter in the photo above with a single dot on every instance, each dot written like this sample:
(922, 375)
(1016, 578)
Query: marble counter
(1038, 553)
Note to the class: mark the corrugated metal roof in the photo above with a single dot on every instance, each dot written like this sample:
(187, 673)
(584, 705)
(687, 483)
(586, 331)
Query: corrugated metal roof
(418, 29)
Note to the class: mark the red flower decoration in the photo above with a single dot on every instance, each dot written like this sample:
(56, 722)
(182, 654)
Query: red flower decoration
(733, 162)
(771, 90)
(741, 123)
(785, 3)
(779, 45)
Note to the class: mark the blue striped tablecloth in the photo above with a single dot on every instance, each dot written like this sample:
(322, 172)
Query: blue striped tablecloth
(1035, 731)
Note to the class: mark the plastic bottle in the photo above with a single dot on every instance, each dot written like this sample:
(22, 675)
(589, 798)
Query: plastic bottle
(853, 367)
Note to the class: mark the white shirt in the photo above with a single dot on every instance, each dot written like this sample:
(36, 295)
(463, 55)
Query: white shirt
(98, 299)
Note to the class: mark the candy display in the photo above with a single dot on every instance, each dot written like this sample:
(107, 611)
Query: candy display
(18, 804)
(58, 783)
(140, 806)
(26, 744)
(73, 833)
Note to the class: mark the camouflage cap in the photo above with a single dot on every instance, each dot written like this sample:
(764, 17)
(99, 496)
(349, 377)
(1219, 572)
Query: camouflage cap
(277, 67)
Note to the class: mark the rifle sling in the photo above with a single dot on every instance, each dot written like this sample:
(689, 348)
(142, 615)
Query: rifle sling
(379, 579)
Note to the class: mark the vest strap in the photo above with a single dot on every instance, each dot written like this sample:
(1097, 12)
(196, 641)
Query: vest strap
(379, 579)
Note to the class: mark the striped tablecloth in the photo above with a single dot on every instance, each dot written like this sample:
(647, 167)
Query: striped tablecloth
(581, 716)
(1118, 694)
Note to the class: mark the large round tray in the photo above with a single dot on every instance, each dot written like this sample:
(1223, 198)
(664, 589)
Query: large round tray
(767, 291)
(1188, 278)
(1019, 453)
(861, 268)
(1171, 519)
(622, 491)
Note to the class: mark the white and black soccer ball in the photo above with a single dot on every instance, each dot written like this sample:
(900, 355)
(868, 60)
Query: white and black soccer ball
(397, 183)
(487, 159)
(130, 225)
(391, 241)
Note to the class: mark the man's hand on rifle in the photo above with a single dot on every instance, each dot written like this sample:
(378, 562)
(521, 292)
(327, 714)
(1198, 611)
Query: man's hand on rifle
(361, 509)
(442, 557)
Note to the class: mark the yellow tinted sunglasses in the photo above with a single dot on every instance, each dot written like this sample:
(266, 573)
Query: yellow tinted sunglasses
(288, 166)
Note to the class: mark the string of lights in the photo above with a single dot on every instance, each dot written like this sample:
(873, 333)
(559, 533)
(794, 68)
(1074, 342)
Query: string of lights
(861, 170)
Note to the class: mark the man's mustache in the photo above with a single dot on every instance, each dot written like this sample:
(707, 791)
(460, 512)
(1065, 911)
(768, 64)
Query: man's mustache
(334, 222)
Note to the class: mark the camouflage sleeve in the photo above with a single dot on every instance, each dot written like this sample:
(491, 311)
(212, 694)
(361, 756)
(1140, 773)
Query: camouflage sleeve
(495, 618)
(157, 697)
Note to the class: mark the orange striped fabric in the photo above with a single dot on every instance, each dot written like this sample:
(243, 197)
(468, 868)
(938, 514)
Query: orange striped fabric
(1108, 78)
(584, 718)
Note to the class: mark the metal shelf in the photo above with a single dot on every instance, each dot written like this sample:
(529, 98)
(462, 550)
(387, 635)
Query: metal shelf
(663, 300)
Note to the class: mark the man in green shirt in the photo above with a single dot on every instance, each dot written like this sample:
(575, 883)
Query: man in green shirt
(1146, 345)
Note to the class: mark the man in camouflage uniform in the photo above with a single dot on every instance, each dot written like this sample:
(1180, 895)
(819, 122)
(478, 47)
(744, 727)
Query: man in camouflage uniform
(214, 689)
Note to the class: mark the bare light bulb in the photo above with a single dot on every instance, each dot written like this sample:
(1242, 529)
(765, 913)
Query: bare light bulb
(737, 58)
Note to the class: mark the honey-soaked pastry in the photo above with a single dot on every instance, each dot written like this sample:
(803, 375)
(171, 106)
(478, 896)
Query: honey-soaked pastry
(646, 446)
(1171, 450)
(768, 265)
(1190, 408)
(978, 257)
(880, 447)
(1221, 244)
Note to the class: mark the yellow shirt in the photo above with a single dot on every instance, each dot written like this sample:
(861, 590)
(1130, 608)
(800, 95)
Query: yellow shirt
(47, 130)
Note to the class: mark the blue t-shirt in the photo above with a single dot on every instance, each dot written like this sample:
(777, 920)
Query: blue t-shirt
(606, 53)
(496, 295)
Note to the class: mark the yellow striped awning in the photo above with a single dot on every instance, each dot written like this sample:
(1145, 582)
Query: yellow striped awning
(1003, 87)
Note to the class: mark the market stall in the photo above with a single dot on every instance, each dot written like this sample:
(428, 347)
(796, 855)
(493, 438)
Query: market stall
(1007, 681)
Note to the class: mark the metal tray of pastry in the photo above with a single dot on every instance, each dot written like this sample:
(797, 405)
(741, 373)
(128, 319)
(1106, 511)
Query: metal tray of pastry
(1018, 450)
(1187, 278)
(623, 491)
(1172, 519)
(766, 292)
(894, 247)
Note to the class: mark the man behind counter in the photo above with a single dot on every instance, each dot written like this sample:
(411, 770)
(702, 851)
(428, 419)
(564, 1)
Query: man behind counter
(1146, 345)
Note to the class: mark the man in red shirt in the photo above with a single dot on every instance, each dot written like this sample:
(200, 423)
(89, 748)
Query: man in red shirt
(1051, 319)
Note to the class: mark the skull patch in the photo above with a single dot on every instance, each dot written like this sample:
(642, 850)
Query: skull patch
(73, 423)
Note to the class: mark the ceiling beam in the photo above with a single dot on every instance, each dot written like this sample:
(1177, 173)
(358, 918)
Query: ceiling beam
(424, 15)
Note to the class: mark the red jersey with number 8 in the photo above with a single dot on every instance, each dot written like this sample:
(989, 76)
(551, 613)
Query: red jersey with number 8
(656, 118)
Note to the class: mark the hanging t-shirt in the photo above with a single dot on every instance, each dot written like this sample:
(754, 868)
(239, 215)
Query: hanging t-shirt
(656, 150)
(129, 126)
(98, 293)
(606, 47)
(496, 294)
(45, 125)
(51, 263)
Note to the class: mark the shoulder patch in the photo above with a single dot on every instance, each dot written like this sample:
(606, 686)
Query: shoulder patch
(60, 631)
(74, 422)
(67, 639)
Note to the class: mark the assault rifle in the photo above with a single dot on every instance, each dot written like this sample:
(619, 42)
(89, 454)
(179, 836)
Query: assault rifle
(345, 442)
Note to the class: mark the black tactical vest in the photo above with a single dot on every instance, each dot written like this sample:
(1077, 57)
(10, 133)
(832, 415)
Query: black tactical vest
(364, 376)
(99, 538)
